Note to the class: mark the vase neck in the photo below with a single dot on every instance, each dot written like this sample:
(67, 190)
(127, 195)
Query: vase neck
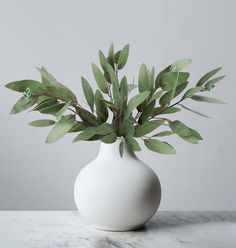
(112, 150)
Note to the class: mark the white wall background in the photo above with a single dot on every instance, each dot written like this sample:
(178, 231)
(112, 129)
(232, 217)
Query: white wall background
(65, 36)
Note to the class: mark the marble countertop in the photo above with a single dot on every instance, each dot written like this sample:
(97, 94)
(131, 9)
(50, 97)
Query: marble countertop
(176, 229)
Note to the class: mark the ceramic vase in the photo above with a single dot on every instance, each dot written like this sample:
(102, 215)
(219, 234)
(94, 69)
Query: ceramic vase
(117, 193)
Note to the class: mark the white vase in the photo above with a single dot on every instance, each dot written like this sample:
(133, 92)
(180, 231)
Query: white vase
(117, 194)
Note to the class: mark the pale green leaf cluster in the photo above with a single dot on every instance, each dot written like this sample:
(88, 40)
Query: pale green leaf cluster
(113, 110)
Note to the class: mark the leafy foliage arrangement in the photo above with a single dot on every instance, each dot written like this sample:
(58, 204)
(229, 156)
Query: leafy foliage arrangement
(131, 117)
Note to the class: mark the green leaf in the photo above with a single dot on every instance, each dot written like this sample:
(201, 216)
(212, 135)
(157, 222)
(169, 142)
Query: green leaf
(159, 146)
(155, 96)
(121, 148)
(56, 87)
(123, 56)
(53, 109)
(190, 139)
(78, 127)
(207, 76)
(188, 134)
(159, 76)
(88, 118)
(44, 98)
(127, 128)
(132, 87)
(196, 134)
(101, 107)
(124, 89)
(22, 104)
(189, 93)
(151, 78)
(61, 128)
(147, 127)
(118, 100)
(42, 123)
(166, 111)
(147, 112)
(21, 86)
(115, 87)
(110, 105)
(133, 143)
(44, 80)
(194, 111)
(103, 60)
(211, 83)
(171, 80)
(47, 78)
(45, 103)
(134, 102)
(163, 133)
(180, 64)
(116, 56)
(88, 93)
(206, 99)
(111, 58)
(100, 79)
(112, 74)
(85, 135)
(61, 92)
(62, 110)
(143, 79)
(104, 129)
(95, 137)
(110, 138)
(167, 97)
(180, 128)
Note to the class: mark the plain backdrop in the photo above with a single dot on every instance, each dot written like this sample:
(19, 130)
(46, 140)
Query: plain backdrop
(65, 36)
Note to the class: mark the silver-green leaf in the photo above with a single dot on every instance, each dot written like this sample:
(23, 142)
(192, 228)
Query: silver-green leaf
(147, 127)
(100, 79)
(180, 64)
(62, 110)
(134, 102)
(110, 138)
(85, 135)
(22, 104)
(123, 56)
(207, 76)
(189, 93)
(104, 129)
(206, 99)
(42, 123)
(61, 128)
(194, 111)
(88, 93)
(133, 143)
(180, 128)
(159, 146)
(143, 84)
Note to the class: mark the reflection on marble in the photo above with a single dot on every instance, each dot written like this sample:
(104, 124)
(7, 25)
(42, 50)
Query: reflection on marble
(166, 229)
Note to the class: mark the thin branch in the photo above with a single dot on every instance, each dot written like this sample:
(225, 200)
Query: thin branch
(72, 111)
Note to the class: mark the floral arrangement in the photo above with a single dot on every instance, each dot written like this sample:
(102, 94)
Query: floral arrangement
(113, 111)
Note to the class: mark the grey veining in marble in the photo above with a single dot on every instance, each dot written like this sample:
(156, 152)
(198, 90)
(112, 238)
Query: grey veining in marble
(166, 229)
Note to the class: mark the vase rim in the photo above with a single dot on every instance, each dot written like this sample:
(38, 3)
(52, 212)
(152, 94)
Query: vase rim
(114, 148)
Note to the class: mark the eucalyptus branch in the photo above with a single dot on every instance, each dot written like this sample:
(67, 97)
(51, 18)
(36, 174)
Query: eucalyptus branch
(113, 98)
(164, 109)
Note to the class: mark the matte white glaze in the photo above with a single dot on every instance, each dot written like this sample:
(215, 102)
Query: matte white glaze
(114, 193)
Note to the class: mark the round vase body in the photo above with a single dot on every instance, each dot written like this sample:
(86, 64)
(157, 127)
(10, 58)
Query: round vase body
(117, 193)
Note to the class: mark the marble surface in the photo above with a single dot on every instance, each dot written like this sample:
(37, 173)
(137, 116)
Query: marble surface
(167, 229)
